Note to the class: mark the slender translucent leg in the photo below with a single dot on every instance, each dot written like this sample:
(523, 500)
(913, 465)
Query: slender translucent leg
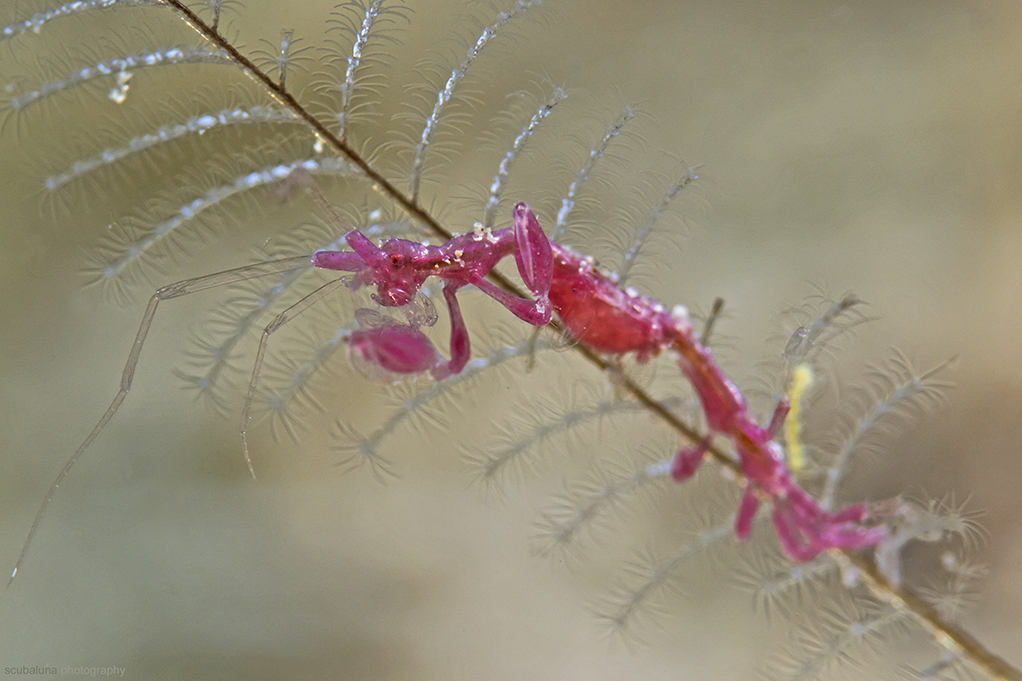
(777, 420)
(181, 288)
(530, 359)
(711, 319)
(279, 321)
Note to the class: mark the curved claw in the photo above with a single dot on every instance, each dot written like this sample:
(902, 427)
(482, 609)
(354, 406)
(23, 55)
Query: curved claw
(533, 253)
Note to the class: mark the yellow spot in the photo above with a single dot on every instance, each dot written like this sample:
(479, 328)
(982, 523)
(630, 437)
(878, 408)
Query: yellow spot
(801, 381)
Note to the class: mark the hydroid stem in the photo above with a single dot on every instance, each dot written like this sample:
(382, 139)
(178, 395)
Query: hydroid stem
(952, 637)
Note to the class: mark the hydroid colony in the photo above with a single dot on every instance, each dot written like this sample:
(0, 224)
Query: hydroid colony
(243, 557)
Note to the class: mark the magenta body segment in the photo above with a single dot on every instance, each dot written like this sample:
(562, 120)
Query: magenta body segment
(396, 350)
(609, 320)
(600, 315)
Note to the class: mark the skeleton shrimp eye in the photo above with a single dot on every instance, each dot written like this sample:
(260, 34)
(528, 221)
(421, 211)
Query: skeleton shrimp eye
(397, 261)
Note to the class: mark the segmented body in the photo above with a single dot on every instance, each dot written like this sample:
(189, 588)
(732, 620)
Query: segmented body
(609, 320)
(604, 317)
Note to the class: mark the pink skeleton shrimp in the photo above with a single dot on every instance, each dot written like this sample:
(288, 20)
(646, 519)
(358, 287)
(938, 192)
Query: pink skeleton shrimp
(608, 320)
(590, 305)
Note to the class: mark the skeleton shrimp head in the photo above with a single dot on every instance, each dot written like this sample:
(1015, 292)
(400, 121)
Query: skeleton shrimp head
(398, 268)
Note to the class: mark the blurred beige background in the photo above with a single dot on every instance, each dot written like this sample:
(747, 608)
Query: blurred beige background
(872, 147)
